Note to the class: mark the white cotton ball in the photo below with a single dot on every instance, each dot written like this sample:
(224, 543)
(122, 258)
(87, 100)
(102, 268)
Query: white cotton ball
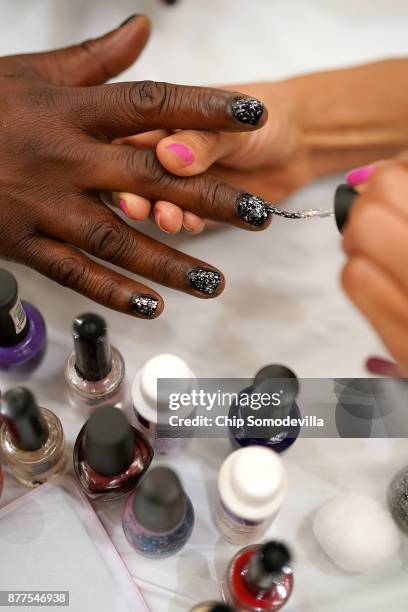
(356, 532)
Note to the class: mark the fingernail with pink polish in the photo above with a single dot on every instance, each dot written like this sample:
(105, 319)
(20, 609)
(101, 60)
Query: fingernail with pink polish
(359, 175)
(383, 367)
(123, 207)
(183, 152)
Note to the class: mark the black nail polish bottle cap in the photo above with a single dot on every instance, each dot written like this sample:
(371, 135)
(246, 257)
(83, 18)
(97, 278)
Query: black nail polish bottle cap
(24, 419)
(266, 565)
(343, 201)
(93, 356)
(266, 382)
(14, 323)
(109, 442)
(159, 503)
(220, 607)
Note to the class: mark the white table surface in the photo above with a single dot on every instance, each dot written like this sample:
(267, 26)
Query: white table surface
(300, 318)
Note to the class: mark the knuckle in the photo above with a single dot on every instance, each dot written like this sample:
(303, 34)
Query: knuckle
(146, 166)
(214, 194)
(151, 97)
(68, 271)
(108, 239)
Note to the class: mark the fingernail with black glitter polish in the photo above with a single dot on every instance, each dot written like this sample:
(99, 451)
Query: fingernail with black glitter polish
(204, 280)
(145, 305)
(253, 210)
(128, 20)
(247, 110)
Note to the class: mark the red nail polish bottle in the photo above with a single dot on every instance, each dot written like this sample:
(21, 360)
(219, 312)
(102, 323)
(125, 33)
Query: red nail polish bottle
(110, 456)
(259, 578)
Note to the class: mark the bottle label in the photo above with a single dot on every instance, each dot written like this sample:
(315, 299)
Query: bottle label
(237, 529)
(18, 316)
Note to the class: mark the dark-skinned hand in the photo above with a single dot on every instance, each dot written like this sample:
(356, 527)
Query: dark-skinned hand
(60, 126)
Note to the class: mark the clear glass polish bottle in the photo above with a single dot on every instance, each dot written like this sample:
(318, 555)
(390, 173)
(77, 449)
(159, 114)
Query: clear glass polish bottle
(159, 517)
(31, 438)
(259, 578)
(95, 371)
(110, 456)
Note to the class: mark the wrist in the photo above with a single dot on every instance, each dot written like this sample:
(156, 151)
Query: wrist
(350, 117)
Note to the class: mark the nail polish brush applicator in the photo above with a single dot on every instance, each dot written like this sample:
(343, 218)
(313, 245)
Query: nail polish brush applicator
(343, 200)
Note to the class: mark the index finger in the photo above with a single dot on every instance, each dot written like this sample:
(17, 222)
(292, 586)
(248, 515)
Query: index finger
(122, 109)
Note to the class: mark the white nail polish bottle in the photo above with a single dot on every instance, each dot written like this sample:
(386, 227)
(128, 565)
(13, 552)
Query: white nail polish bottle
(146, 408)
(252, 485)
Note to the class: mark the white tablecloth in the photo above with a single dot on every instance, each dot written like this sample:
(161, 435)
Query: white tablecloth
(300, 316)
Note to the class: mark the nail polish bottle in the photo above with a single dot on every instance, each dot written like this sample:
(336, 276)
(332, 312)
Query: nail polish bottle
(95, 371)
(251, 489)
(212, 606)
(398, 498)
(146, 407)
(110, 456)
(343, 201)
(23, 335)
(31, 438)
(1, 480)
(259, 578)
(159, 516)
(281, 385)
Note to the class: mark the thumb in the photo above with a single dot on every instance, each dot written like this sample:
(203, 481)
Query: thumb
(191, 152)
(94, 61)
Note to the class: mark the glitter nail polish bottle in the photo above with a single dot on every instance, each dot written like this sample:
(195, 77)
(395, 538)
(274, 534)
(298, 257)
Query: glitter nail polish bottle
(1, 480)
(23, 335)
(398, 498)
(281, 385)
(212, 606)
(95, 371)
(110, 456)
(259, 578)
(146, 407)
(31, 438)
(251, 489)
(159, 516)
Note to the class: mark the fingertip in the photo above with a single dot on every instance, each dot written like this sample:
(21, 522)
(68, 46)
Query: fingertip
(206, 282)
(168, 217)
(176, 157)
(133, 206)
(249, 112)
(193, 223)
(147, 305)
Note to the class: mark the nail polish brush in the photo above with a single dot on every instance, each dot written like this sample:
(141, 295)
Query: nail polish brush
(343, 200)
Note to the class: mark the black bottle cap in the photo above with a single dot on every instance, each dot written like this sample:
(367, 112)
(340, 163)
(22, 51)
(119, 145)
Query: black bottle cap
(14, 325)
(265, 382)
(159, 503)
(109, 443)
(24, 419)
(220, 607)
(267, 564)
(93, 356)
(343, 201)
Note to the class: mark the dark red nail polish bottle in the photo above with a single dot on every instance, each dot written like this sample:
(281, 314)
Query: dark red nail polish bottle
(259, 578)
(110, 456)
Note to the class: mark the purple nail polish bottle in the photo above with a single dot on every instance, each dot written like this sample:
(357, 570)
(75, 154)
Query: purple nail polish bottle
(23, 335)
(270, 380)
